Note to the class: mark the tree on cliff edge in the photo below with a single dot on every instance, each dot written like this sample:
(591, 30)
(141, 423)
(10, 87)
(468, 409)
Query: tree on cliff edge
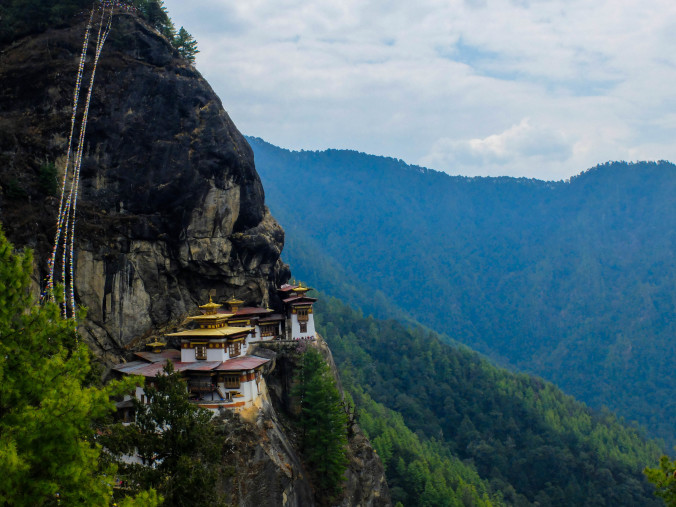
(323, 423)
(177, 441)
(185, 44)
(48, 408)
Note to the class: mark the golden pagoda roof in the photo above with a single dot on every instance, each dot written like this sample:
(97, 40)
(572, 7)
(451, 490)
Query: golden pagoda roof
(300, 288)
(210, 307)
(211, 317)
(219, 332)
(234, 301)
(156, 343)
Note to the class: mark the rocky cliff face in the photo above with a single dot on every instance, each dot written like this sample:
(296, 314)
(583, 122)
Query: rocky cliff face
(170, 204)
(264, 467)
(365, 483)
(171, 209)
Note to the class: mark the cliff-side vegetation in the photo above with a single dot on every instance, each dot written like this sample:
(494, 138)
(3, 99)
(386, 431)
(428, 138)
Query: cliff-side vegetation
(664, 479)
(322, 423)
(49, 402)
(179, 444)
(573, 281)
(522, 435)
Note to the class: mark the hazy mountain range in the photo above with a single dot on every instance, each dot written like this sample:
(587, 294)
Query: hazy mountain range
(571, 280)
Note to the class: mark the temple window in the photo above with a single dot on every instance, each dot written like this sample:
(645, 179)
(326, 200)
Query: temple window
(303, 327)
(268, 330)
(200, 351)
(231, 381)
(302, 314)
(233, 349)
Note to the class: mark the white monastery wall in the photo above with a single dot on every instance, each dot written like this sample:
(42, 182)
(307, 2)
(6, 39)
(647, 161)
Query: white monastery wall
(188, 355)
(295, 328)
(217, 354)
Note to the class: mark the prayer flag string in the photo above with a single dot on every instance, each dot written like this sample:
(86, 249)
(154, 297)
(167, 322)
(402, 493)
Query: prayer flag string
(60, 214)
(65, 227)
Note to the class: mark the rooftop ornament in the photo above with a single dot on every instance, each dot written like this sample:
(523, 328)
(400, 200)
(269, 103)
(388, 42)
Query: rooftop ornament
(210, 308)
(234, 303)
(300, 288)
(157, 346)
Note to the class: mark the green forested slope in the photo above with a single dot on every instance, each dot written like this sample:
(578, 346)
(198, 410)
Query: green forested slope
(574, 281)
(420, 470)
(427, 405)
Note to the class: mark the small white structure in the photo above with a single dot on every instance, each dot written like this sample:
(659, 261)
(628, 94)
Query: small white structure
(300, 322)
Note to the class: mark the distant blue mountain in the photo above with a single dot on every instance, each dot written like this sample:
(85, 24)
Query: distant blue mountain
(574, 281)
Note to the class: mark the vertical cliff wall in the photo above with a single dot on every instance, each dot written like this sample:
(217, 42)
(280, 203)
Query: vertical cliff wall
(365, 483)
(170, 206)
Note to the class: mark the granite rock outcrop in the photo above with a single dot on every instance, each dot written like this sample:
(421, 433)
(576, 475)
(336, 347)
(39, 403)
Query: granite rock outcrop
(171, 208)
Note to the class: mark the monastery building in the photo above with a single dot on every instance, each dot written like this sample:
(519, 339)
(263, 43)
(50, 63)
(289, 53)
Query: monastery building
(213, 355)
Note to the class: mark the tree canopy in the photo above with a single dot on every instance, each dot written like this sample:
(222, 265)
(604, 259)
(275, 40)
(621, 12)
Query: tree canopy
(177, 442)
(482, 432)
(664, 479)
(49, 405)
(323, 423)
(185, 44)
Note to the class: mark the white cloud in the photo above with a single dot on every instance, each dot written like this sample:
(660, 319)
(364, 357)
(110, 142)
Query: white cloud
(418, 80)
(501, 153)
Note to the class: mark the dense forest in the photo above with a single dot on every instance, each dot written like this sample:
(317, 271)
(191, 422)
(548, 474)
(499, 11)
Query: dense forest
(574, 280)
(449, 425)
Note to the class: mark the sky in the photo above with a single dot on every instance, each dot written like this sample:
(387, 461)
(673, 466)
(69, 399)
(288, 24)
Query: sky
(540, 89)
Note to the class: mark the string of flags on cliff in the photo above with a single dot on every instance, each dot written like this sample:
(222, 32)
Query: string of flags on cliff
(64, 239)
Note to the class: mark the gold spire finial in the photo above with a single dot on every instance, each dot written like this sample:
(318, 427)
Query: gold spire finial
(210, 307)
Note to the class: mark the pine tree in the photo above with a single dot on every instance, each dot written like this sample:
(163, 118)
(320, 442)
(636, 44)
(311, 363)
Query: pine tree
(186, 45)
(323, 423)
(48, 409)
(176, 440)
(155, 13)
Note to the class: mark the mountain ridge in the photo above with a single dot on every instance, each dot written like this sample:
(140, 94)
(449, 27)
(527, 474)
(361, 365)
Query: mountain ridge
(571, 280)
